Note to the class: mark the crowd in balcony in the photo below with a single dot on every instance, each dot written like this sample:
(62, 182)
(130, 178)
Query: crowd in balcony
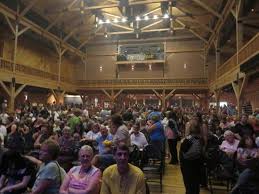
(79, 149)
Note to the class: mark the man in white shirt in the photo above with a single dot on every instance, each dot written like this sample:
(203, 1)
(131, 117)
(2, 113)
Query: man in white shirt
(138, 138)
(93, 133)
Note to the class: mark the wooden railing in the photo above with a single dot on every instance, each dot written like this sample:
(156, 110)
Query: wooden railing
(142, 83)
(7, 65)
(249, 50)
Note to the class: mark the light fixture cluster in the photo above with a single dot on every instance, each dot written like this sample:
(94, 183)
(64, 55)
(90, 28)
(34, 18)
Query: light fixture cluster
(137, 18)
(101, 68)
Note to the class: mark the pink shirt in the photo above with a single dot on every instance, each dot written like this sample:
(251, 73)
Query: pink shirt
(81, 183)
(229, 148)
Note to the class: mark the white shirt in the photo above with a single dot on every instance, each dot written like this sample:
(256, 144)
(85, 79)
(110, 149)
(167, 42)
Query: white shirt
(4, 118)
(3, 130)
(139, 140)
(91, 135)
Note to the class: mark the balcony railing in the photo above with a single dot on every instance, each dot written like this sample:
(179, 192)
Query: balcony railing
(249, 50)
(7, 65)
(142, 83)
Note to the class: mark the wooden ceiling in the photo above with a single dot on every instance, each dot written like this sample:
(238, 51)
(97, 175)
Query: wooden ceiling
(78, 23)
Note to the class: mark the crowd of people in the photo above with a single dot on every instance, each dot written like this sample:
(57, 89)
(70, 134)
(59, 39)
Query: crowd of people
(78, 149)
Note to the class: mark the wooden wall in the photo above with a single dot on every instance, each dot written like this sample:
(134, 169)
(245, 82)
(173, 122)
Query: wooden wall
(103, 55)
(31, 53)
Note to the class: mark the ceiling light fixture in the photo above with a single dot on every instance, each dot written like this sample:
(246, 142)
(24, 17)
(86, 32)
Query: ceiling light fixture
(252, 10)
(146, 18)
(166, 16)
(105, 35)
(108, 21)
(115, 20)
(155, 17)
(138, 18)
(100, 22)
(124, 20)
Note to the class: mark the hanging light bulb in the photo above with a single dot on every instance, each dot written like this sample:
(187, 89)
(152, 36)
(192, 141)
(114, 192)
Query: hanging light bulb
(100, 21)
(115, 20)
(105, 35)
(108, 21)
(146, 18)
(155, 17)
(123, 20)
(138, 18)
(166, 16)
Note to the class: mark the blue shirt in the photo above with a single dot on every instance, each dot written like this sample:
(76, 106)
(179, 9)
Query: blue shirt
(100, 139)
(158, 133)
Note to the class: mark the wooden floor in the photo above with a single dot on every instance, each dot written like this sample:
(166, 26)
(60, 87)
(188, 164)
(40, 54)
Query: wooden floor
(173, 183)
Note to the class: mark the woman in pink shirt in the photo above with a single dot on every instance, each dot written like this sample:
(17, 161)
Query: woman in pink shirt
(84, 178)
(230, 144)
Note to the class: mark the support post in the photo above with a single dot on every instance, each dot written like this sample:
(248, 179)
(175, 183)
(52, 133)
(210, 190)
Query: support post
(217, 94)
(238, 87)
(12, 93)
(217, 53)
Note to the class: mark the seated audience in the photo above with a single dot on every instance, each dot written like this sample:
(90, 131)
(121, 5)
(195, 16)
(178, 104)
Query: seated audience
(84, 178)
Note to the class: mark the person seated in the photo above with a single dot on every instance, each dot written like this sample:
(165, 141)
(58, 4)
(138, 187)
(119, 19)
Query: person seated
(84, 178)
(67, 144)
(46, 132)
(246, 151)
(138, 138)
(230, 144)
(104, 160)
(50, 175)
(92, 134)
(122, 177)
(16, 173)
(104, 135)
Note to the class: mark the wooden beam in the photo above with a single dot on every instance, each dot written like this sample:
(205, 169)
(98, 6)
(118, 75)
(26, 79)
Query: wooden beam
(209, 9)
(117, 94)
(170, 94)
(36, 28)
(123, 27)
(10, 24)
(28, 7)
(152, 11)
(195, 33)
(23, 30)
(153, 24)
(226, 11)
(89, 38)
(107, 94)
(185, 51)
(157, 94)
(5, 88)
(19, 90)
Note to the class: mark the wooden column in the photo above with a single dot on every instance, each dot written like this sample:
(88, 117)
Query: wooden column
(60, 51)
(217, 94)
(113, 95)
(12, 93)
(59, 96)
(163, 97)
(238, 87)
(217, 54)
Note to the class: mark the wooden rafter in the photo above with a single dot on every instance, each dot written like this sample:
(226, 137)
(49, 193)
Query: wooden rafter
(28, 7)
(195, 33)
(209, 9)
(36, 28)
